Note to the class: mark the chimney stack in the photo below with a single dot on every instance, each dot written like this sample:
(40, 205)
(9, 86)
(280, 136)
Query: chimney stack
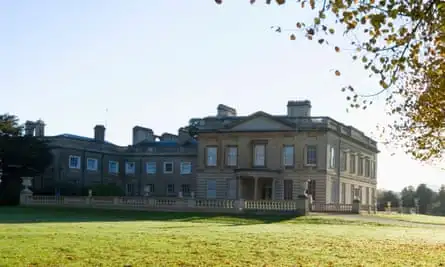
(299, 108)
(39, 128)
(29, 128)
(225, 111)
(141, 134)
(99, 133)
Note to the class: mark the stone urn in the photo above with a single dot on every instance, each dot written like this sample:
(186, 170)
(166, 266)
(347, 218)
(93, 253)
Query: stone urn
(26, 182)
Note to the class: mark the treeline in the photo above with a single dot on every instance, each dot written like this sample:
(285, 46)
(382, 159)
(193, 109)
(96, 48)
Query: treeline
(422, 199)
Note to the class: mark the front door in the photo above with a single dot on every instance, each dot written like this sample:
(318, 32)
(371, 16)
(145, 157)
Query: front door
(266, 193)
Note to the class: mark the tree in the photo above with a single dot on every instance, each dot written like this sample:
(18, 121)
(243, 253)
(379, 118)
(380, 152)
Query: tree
(20, 156)
(439, 204)
(402, 43)
(425, 196)
(383, 197)
(9, 125)
(408, 195)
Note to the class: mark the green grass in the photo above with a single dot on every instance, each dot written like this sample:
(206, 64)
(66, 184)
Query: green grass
(75, 237)
(416, 218)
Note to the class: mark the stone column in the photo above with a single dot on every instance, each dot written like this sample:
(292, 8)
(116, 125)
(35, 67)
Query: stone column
(255, 188)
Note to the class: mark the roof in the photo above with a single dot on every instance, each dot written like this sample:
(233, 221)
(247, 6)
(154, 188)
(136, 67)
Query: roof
(81, 138)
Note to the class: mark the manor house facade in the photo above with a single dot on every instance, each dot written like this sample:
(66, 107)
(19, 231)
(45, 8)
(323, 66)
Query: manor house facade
(259, 156)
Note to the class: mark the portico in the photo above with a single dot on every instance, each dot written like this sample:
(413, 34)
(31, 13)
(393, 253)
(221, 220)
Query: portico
(255, 184)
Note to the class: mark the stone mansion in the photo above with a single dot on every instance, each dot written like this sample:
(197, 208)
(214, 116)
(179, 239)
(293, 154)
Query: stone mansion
(259, 156)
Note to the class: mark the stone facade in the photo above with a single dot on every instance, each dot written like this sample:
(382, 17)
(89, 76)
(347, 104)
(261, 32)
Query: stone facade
(157, 165)
(265, 156)
(260, 156)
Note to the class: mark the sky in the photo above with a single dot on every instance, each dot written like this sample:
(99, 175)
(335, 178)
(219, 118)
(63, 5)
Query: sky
(75, 64)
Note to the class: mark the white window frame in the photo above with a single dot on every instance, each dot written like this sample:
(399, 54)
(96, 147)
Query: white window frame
(95, 165)
(128, 170)
(309, 161)
(189, 167)
(109, 166)
(211, 193)
(259, 155)
(288, 159)
(165, 165)
(77, 166)
(232, 156)
(211, 156)
(332, 157)
(148, 164)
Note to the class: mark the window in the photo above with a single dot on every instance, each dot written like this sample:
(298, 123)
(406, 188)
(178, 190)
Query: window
(185, 189)
(288, 156)
(150, 167)
(186, 167)
(170, 188)
(211, 189)
(344, 160)
(232, 156)
(352, 163)
(343, 193)
(288, 189)
(357, 193)
(367, 168)
(367, 196)
(149, 188)
(360, 166)
(113, 167)
(74, 162)
(334, 190)
(92, 164)
(168, 167)
(130, 167)
(129, 189)
(311, 155)
(259, 152)
(373, 169)
(211, 155)
(332, 158)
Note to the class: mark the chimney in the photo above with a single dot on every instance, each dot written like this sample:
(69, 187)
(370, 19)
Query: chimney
(141, 134)
(99, 133)
(29, 128)
(299, 108)
(225, 111)
(39, 128)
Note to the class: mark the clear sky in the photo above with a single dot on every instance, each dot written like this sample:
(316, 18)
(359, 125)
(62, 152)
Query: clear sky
(159, 63)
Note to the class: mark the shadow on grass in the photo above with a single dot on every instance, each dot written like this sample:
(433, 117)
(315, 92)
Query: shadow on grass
(14, 215)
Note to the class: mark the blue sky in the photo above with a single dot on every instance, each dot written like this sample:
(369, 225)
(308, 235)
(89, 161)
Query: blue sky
(159, 63)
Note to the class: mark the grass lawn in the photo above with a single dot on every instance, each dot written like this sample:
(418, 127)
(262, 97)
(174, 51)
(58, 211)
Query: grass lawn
(418, 218)
(78, 237)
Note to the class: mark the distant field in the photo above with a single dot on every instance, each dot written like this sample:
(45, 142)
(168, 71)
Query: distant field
(418, 218)
(55, 237)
